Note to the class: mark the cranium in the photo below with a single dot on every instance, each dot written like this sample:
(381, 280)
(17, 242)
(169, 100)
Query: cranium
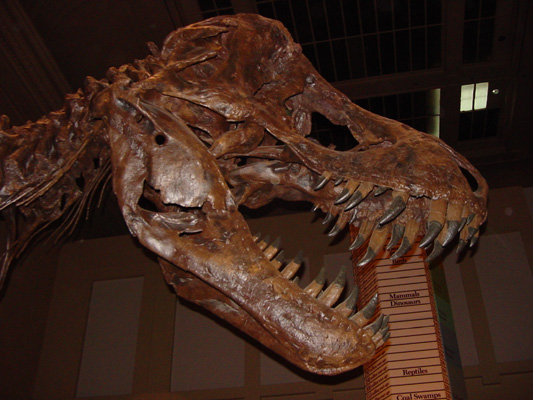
(221, 117)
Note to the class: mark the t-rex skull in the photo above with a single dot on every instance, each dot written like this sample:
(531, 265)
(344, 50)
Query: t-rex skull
(221, 117)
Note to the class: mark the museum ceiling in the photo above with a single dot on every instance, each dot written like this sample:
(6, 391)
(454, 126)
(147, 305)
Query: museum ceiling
(460, 70)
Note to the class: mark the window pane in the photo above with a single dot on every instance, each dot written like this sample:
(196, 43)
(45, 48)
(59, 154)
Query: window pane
(480, 96)
(467, 97)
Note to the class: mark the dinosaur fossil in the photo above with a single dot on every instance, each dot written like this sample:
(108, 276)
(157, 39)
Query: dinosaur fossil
(220, 117)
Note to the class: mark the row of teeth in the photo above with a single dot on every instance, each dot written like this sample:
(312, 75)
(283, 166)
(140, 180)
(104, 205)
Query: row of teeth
(331, 294)
(444, 222)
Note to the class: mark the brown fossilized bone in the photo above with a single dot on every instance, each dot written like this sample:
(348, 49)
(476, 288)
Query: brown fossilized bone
(220, 117)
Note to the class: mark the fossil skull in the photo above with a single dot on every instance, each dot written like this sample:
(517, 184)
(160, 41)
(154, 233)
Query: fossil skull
(221, 117)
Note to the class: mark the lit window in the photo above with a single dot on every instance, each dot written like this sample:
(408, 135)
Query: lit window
(474, 96)
(433, 111)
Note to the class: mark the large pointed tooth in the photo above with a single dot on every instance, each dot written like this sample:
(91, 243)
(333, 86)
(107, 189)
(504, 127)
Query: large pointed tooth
(340, 224)
(375, 326)
(273, 249)
(335, 230)
(338, 181)
(397, 234)
(353, 217)
(347, 191)
(364, 232)
(379, 190)
(453, 218)
(411, 231)
(277, 262)
(436, 218)
(360, 194)
(461, 246)
(438, 248)
(363, 315)
(323, 180)
(328, 218)
(471, 232)
(464, 217)
(347, 306)
(432, 231)
(473, 227)
(263, 243)
(292, 268)
(377, 240)
(399, 201)
(256, 237)
(333, 291)
(315, 207)
(463, 241)
(314, 288)
(474, 239)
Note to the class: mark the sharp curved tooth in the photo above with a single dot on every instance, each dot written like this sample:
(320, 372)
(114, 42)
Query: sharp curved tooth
(461, 246)
(335, 230)
(385, 321)
(380, 190)
(292, 268)
(364, 232)
(323, 180)
(296, 281)
(263, 243)
(315, 207)
(451, 232)
(470, 218)
(314, 288)
(273, 249)
(432, 231)
(397, 234)
(362, 191)
(377, 240)
(474, 239)
(397, 206)
(464, 217)
(339, 180)
(347, 191)
(411, 231)
(453, 217)
(333, 291)
(473, 227)
(436, 218)
(375, 326)
(353, 217)
(462, 224)
(277, 262)
(471, 232)
(346, 308)
(339, 225)
(463, 240)
(328, 218)
(362, 316)
(256, 237)
(438, 248)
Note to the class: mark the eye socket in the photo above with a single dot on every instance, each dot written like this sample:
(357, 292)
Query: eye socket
(160, 139)
(330, 135)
